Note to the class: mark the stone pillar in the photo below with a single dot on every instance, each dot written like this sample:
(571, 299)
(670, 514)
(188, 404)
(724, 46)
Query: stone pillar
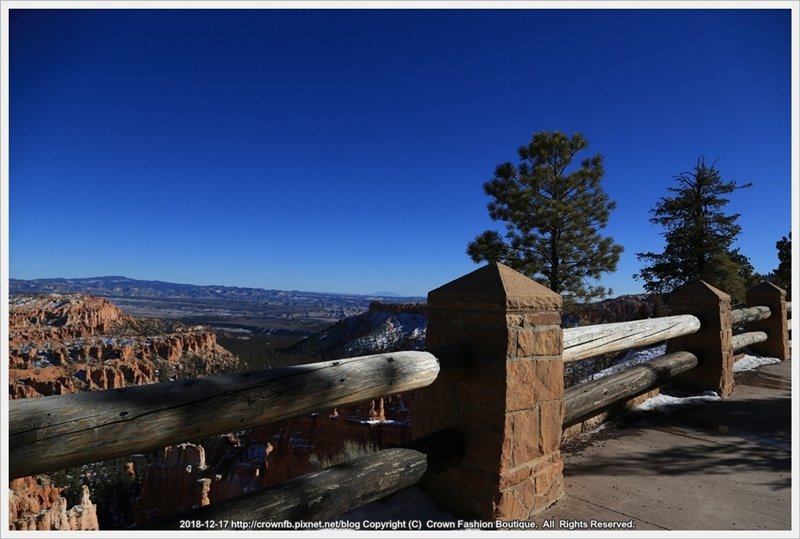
(510, 406)
(776, 326)
(711, 343)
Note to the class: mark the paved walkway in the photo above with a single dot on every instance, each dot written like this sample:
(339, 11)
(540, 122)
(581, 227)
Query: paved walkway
(725, 465)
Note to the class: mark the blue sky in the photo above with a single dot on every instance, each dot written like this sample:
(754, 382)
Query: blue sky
(345, 150)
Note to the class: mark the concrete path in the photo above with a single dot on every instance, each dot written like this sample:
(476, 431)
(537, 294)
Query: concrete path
(725, 465)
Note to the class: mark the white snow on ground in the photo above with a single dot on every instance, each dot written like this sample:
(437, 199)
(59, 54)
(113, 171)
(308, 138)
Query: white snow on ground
(667, 403)
(632, 358)
(749, 363)
(677, 400)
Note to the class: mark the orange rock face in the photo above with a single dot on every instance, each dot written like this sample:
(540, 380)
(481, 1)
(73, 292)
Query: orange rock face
(59, 316)
(61, 344)
(38, 505)
(194, 475)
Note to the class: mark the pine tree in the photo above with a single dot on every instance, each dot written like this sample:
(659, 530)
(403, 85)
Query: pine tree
(552, 217)
(699, 237)
(783, 273)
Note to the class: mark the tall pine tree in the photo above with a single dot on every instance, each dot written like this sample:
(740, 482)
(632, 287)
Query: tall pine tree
(699, 236)
(552, 217)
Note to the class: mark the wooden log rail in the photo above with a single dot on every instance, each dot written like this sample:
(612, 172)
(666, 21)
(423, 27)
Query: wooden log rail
(590, 397)
(743, 340)
(315, 496)
(588, 341)
(52, 433)
(332, 491)
(518, 355)
(750, 314)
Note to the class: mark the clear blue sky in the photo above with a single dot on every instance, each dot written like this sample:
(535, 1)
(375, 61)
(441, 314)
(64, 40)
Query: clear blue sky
(345, 150)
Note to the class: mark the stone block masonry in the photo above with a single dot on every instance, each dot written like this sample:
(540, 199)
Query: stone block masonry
(510, 407)
(776, 326)
(711, 344)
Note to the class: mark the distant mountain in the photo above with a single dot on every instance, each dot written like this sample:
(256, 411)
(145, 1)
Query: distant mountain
(272, 311)
(385, 327)
(118, 286)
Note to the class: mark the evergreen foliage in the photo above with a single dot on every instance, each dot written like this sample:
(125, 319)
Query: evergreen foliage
(699, 237)
(783, 274)
(552, 217)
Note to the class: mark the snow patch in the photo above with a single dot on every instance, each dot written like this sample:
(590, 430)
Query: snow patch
(668, 403)
(631, 359)
(231, 330)
(363, 421)
(749, 363)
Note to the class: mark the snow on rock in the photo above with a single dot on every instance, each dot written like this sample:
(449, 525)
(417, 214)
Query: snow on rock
(385, 327)
(749, 363)
(634, 357)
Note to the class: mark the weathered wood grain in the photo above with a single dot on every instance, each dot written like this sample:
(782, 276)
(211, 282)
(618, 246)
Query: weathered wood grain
(337, 489)
(311, 497)
(750, 314)
(743, 340)
(588, 341)
(52, 433)
(587, 398)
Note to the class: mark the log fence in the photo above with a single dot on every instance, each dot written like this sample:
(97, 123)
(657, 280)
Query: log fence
(488, 419)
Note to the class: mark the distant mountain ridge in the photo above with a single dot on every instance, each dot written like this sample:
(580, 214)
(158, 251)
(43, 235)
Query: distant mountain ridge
(120, 286)
(385, 327)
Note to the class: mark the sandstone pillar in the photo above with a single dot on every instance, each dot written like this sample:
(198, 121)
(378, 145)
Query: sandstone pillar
(510, 407)
(776, 326)
(711, 343)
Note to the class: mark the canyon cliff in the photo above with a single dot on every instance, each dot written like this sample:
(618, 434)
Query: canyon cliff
(67, 343)
(60, 344)
(36, 504)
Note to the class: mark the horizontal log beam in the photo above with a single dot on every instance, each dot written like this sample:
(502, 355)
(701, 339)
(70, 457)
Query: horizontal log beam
(315, 496)
(52, 433)
(750, 314)
(590, 397)
(743, 340)
(335, 490)
(588, 341)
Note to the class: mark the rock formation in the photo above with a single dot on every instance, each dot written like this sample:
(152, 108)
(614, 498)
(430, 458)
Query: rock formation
(60, 344)
(35, 504)
(385, 327)
(59, 316)
(230, 465)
